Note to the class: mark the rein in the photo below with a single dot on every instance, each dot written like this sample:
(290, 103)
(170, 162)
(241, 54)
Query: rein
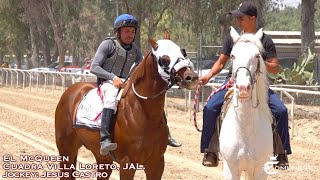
(154, 96)
(151, 97)
(195, 102)
(173, 77)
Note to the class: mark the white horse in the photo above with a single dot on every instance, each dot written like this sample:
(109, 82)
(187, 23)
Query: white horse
(246, 136)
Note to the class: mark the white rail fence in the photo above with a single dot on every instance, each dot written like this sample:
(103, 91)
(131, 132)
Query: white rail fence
(17, 78)
(59, 81)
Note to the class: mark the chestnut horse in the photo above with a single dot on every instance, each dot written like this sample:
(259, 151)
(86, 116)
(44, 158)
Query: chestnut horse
(139, 130)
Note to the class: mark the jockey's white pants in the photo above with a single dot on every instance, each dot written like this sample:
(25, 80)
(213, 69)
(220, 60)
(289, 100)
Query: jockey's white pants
(109, 92)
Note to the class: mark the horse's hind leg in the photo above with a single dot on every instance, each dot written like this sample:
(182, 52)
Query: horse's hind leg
(155, 170)
(68, 147)
(106, 170)
(126, 174)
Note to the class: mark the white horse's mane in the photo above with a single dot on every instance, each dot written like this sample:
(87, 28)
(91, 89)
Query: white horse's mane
(246, 37)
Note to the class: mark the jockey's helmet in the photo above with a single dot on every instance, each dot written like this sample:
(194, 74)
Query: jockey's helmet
(125, 20)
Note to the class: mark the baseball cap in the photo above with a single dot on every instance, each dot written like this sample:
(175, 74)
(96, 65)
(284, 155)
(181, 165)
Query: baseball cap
(245, 8)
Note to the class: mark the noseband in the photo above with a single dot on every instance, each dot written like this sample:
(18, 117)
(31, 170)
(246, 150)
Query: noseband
(253, 78)
(172, 74)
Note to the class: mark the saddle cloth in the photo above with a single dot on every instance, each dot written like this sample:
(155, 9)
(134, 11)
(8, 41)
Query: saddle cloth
(89, 111)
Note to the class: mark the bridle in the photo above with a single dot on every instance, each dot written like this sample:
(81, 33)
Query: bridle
(173, 76)
(253, 76)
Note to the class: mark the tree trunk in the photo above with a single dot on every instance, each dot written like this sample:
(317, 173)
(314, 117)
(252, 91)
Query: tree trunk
(307, 23)
(1, 58)
(34, 49)
(44, 40)
(46, 49)
(260, 6)
(137, 39)
(18, 58)
(57, 30)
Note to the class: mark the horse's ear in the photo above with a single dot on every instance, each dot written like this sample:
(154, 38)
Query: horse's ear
(259, 34)
(166, 34)
(153, 44)
(234, 34)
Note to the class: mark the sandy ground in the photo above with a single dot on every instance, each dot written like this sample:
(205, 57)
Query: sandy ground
(27, 130)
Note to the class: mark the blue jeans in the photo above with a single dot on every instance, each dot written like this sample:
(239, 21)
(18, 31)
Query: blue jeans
(213, 108)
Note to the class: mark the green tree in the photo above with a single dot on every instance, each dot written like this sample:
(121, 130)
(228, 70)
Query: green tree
(15, 29)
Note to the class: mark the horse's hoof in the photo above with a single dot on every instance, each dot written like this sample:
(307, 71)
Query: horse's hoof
(173, 143)
(283, 163)
(210, 159)
(106, 147)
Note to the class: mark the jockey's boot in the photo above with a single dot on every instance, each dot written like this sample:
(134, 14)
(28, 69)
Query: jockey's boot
(105, 136)
(282, 157)
(283, 163)
(171, 141)
(211, 156)
(210, 159)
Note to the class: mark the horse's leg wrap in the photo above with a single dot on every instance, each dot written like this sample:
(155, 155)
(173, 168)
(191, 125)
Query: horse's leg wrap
(171, 141)
(105, 136)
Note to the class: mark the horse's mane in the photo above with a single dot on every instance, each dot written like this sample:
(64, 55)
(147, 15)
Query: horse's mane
(135, 75)
(246, 37)
(262, 84)
(139, 71)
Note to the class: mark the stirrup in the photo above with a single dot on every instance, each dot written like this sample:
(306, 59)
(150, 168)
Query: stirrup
(106, 147)
(210, 159)
(283, 163)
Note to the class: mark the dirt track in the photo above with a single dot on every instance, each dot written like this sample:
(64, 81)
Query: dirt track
(26, 128)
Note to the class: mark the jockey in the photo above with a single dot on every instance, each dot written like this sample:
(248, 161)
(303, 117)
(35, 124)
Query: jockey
(245, 16)
(112, 63)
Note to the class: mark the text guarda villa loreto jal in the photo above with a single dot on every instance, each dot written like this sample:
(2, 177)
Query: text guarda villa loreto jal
(42, 166)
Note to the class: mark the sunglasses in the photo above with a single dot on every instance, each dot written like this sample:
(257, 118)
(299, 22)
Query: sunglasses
(128, 22)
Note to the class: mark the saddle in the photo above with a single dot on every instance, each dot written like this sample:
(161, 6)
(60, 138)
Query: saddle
(89, 111)
(211, 155)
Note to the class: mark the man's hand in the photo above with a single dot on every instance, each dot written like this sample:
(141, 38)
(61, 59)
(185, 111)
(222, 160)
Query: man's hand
(117, 82)
(272, 65)
(204, 80)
